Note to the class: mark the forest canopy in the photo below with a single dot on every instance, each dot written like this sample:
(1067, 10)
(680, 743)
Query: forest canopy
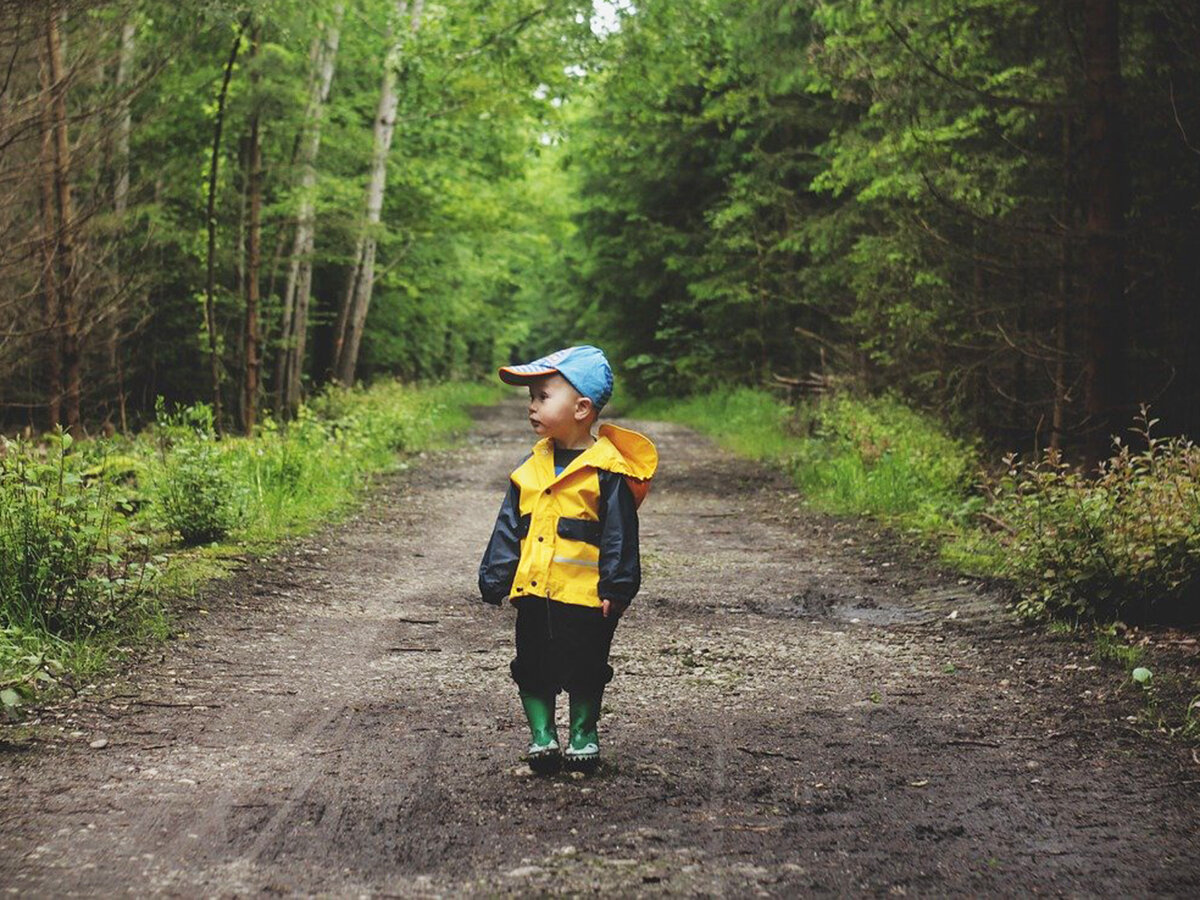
(988, 206)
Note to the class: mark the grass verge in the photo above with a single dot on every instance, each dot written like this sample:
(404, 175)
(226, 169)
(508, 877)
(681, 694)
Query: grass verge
(97, 537)
(847, 455)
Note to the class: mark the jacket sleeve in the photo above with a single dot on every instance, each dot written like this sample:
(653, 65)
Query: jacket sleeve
(620, 563)
(499, 565)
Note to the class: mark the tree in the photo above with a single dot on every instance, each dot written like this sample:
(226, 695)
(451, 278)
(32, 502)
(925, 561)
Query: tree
(254, 165)
(298, 289)
(210, 315)
(64, 305)
(1105, 309)
(361, 280)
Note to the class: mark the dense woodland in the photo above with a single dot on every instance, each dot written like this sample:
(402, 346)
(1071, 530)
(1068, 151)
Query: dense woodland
(990, 206)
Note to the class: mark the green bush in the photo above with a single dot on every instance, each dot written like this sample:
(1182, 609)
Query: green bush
(195, 493)
(1124, 543)
(66, 565)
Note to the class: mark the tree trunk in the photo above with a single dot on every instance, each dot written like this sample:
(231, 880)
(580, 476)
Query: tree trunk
(357, 299)
(210, 313)
(1105, 317)
(1058, 415)
(121, 199)
(68, 313)
(49, 248)
(298, 289)
(253, 255)
(283, 360)
(124, 119)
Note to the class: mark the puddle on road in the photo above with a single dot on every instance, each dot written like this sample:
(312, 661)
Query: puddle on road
(814, 603)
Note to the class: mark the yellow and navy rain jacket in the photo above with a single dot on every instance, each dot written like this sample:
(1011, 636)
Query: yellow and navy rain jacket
(572, 537)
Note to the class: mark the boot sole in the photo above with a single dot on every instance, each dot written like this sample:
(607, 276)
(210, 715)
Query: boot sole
(586, 764)
(545, 763)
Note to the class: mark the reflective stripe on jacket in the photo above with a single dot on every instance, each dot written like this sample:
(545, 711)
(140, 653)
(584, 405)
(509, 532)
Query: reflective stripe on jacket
(572, 537)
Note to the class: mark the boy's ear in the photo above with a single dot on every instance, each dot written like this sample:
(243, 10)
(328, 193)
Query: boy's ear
(584, 408)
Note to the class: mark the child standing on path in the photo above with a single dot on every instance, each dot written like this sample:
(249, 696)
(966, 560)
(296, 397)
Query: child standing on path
(564, 549)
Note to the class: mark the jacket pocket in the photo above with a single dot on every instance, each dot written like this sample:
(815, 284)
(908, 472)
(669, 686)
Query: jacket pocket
(523, 526)
(585, 530)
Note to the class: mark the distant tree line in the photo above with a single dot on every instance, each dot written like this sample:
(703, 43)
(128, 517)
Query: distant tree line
(992, 206)
(235, 202)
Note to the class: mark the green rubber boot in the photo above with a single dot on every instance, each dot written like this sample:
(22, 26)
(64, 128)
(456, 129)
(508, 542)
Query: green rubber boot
(543, 756)
(583, 752)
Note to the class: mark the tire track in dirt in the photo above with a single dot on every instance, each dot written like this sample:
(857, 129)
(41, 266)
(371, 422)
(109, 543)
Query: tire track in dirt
(794, 711)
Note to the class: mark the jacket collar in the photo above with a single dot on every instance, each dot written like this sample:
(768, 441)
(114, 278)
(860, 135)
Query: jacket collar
(618, 450)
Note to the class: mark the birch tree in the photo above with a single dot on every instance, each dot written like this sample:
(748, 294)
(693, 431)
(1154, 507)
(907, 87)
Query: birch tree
(298, 288)
(250, 334)
(361, 280)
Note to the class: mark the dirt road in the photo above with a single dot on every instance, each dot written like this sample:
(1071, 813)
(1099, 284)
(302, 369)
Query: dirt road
(796, 709)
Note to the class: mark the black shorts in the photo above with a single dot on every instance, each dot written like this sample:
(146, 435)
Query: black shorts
(562, 647)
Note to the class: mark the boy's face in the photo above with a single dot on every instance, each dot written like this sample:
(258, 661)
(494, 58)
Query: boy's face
(556, 409)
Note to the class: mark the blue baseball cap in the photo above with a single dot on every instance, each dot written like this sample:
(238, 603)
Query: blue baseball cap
(584, 367)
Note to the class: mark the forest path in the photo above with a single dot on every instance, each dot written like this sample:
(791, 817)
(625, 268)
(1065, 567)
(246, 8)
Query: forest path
(794, 710)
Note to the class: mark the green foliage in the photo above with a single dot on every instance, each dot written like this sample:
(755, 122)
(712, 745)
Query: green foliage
(1108, 645)
(891, 190)
(29, 659)
(882, 458)
(80, 520)
(195, 492)
(67, 564)
(847, 455)
(1125, 543)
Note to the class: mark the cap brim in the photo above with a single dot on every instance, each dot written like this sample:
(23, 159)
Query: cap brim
(523, 374)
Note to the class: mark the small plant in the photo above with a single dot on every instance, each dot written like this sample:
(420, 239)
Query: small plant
(1191, 719)
(195, 492)
(1107, 646)
(1125, 543)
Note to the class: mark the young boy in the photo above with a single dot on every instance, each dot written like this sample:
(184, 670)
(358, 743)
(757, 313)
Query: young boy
(565, 548)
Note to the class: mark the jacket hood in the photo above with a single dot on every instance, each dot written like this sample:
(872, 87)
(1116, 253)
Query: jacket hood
(627, 452)
(618, 450)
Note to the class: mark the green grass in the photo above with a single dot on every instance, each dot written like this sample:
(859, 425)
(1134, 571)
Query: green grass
(1107, 646)
(97, 538)
(847, 455)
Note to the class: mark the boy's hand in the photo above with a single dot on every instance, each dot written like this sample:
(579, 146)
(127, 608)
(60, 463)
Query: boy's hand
(613, 607)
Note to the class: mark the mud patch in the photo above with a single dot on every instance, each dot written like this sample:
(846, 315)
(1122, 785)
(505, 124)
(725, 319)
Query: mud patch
(819, 604)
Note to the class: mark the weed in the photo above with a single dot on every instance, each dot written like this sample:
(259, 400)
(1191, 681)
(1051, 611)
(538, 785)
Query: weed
(1108, 647)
